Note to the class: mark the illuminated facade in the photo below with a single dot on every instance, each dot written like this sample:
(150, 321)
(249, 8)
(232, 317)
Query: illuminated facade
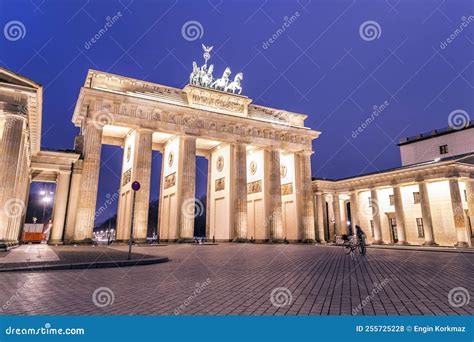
(427, 201)
(259, 178)
(259, 173)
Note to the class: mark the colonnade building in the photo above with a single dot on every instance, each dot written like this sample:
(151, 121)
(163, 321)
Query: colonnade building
(429, 200)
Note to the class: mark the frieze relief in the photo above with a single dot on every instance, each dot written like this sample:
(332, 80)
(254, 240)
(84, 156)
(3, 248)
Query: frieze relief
(191, 121)
(254, 187)
(220, 184)
(286, 189)
(127, 176)
(170, 181)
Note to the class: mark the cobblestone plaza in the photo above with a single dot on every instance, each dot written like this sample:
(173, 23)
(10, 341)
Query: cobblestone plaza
(248, 279)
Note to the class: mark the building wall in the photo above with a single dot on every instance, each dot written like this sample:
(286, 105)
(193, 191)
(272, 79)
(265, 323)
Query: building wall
(459, 142)
(441, 213)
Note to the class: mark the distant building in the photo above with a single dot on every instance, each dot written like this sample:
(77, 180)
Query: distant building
(427, 201)
(441, 143)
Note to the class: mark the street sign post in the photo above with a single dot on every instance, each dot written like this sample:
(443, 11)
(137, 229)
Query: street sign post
(135, 188)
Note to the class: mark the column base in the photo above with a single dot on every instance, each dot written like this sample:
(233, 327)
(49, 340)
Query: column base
(240, 240)
(85, 242)
(55, 242)
(402, 243)
(430, 244)
(6, 245)
(462, 244)
(185, 240)
(308, 241)
(377, 242)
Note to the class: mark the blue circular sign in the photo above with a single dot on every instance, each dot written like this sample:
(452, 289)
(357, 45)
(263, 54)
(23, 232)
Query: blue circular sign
(135, 186)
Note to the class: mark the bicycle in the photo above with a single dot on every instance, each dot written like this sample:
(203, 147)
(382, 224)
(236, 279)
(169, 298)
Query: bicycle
(354, 245)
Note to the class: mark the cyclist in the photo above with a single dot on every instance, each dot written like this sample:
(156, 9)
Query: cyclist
(361, 237)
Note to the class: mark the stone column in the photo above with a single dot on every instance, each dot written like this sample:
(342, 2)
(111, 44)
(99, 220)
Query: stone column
(376, 216)
(159, 228)
(60, 205)
(464, 240)
(10, 144)
(426, 214)
(320, 204)
(470, 200)
(337, 213)
(354, 202)
(187, 181)
(142, 174)
(74, 194)
(89, 182)
(21, 177)
(399, 215)
(307, 207)
(208, 198)
(240, 192)
(275, 219)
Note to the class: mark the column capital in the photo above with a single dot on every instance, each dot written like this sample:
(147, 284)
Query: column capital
(305, 153)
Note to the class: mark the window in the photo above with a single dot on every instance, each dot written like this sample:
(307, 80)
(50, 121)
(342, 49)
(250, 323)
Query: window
(370, 202)
(372, 233)
(443, 149)
(392, 199)
(416, 197)
(419, 224)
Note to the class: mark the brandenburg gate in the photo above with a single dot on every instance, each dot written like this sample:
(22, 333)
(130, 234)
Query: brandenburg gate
(259, 166)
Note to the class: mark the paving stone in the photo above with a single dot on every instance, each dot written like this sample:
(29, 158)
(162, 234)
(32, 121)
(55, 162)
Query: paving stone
(238, 279)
